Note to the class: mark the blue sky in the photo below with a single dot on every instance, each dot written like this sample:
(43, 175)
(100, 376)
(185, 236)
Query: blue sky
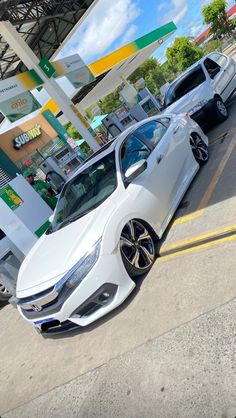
(112, 24)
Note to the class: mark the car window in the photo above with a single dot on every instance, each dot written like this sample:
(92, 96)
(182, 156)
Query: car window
(211, 66)
(184, 84)
(86, 191)
(220, 59)
(132, 151)
(154, 131)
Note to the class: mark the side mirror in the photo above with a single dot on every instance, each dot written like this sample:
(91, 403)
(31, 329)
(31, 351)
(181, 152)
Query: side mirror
(135, 170)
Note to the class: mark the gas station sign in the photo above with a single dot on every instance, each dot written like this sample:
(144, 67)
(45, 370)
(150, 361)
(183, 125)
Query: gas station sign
(47, 67)
(19, 106)
(18, 84)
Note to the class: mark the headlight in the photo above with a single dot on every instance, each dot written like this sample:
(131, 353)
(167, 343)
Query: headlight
(197, 107)
(75, 276)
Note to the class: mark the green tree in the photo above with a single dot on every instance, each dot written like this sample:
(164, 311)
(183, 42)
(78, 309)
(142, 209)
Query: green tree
(183, 53)
(215, 14)
(72, 131)
(110, 102)
(214, 45)
(151, 72)
(170, 71)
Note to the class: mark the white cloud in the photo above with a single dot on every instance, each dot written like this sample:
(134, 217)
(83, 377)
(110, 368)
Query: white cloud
(106, 23)
(178, 10)
(129, 35)
(161, 6)
(196, 29)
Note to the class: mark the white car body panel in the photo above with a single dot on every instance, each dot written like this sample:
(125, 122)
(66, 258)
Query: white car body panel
(191, 99)
(223, 84)
(152, 197)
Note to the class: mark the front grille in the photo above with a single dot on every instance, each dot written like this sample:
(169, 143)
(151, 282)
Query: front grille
(51, 307)
(89, 309)
(57, 327)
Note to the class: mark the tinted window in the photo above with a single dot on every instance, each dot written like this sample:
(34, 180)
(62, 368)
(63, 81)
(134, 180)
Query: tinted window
(86, 191)
(211, 66)
(154, 131)
(132, 151)
(183, 85)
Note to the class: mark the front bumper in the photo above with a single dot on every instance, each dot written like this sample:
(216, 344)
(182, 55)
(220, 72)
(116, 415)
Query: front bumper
(105, 287)
(204, 115)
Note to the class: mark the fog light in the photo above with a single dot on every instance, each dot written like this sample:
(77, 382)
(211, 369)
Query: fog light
(104, 297)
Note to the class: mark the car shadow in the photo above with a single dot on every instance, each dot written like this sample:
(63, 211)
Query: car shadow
(3, 304)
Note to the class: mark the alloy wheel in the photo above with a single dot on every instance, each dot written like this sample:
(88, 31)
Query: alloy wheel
(137, 245)
(199, 148)
(221, 108)
(3, 290)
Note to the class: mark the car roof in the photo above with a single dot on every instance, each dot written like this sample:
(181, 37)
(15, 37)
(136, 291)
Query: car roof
(113, 143)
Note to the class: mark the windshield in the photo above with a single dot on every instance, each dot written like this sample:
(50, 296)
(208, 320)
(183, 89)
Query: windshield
(183, 85)
(85, 192)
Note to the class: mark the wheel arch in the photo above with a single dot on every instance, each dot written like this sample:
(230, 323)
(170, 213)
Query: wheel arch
(110, 244)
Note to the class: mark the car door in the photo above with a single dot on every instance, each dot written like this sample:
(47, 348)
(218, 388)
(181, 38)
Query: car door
(156, 188)
(228, 66)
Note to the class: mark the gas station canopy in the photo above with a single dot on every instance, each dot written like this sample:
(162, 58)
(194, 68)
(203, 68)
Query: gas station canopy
(46, 25)
(124, 62)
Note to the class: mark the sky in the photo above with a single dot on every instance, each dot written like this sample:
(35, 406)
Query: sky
(112, 24)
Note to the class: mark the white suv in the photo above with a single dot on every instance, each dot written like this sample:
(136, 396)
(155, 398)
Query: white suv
(203, 89)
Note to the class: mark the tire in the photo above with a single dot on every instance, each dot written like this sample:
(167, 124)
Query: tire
(4, 294)
(220, 110)
(138, 249)
(199, 149)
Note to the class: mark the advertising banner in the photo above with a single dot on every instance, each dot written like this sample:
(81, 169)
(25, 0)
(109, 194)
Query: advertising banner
(80, 77)
(10, 197)
(19, 106)
(18, 84)
(68, 65)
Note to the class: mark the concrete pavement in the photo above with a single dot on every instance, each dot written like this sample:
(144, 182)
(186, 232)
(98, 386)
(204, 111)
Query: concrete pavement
(187, 372)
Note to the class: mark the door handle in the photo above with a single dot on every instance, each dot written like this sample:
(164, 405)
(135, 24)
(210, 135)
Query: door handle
(159, 159)
(176, 128)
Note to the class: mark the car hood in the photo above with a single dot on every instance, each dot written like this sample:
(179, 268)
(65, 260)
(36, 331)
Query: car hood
(191, 99)
(55, 254)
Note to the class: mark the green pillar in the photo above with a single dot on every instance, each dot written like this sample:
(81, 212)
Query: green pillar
(56, 125)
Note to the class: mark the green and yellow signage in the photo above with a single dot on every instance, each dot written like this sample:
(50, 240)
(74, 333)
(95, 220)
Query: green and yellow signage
(10, 197)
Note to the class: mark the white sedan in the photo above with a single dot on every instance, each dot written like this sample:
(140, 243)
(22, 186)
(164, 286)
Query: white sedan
(107, 223)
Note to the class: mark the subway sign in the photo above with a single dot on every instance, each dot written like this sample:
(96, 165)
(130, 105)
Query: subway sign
(25, 138)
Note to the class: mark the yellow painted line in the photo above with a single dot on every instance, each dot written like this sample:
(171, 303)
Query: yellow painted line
(198, 248)
(179, 244)
(210, 190)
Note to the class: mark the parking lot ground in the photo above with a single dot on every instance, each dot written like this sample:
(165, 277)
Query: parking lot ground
(178, 321)
(188, 372)
(210, 202)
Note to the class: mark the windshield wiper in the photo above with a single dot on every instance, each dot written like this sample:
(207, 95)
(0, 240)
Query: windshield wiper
(72, 219)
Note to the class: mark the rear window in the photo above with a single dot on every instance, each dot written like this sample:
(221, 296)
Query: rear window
(185, 84)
